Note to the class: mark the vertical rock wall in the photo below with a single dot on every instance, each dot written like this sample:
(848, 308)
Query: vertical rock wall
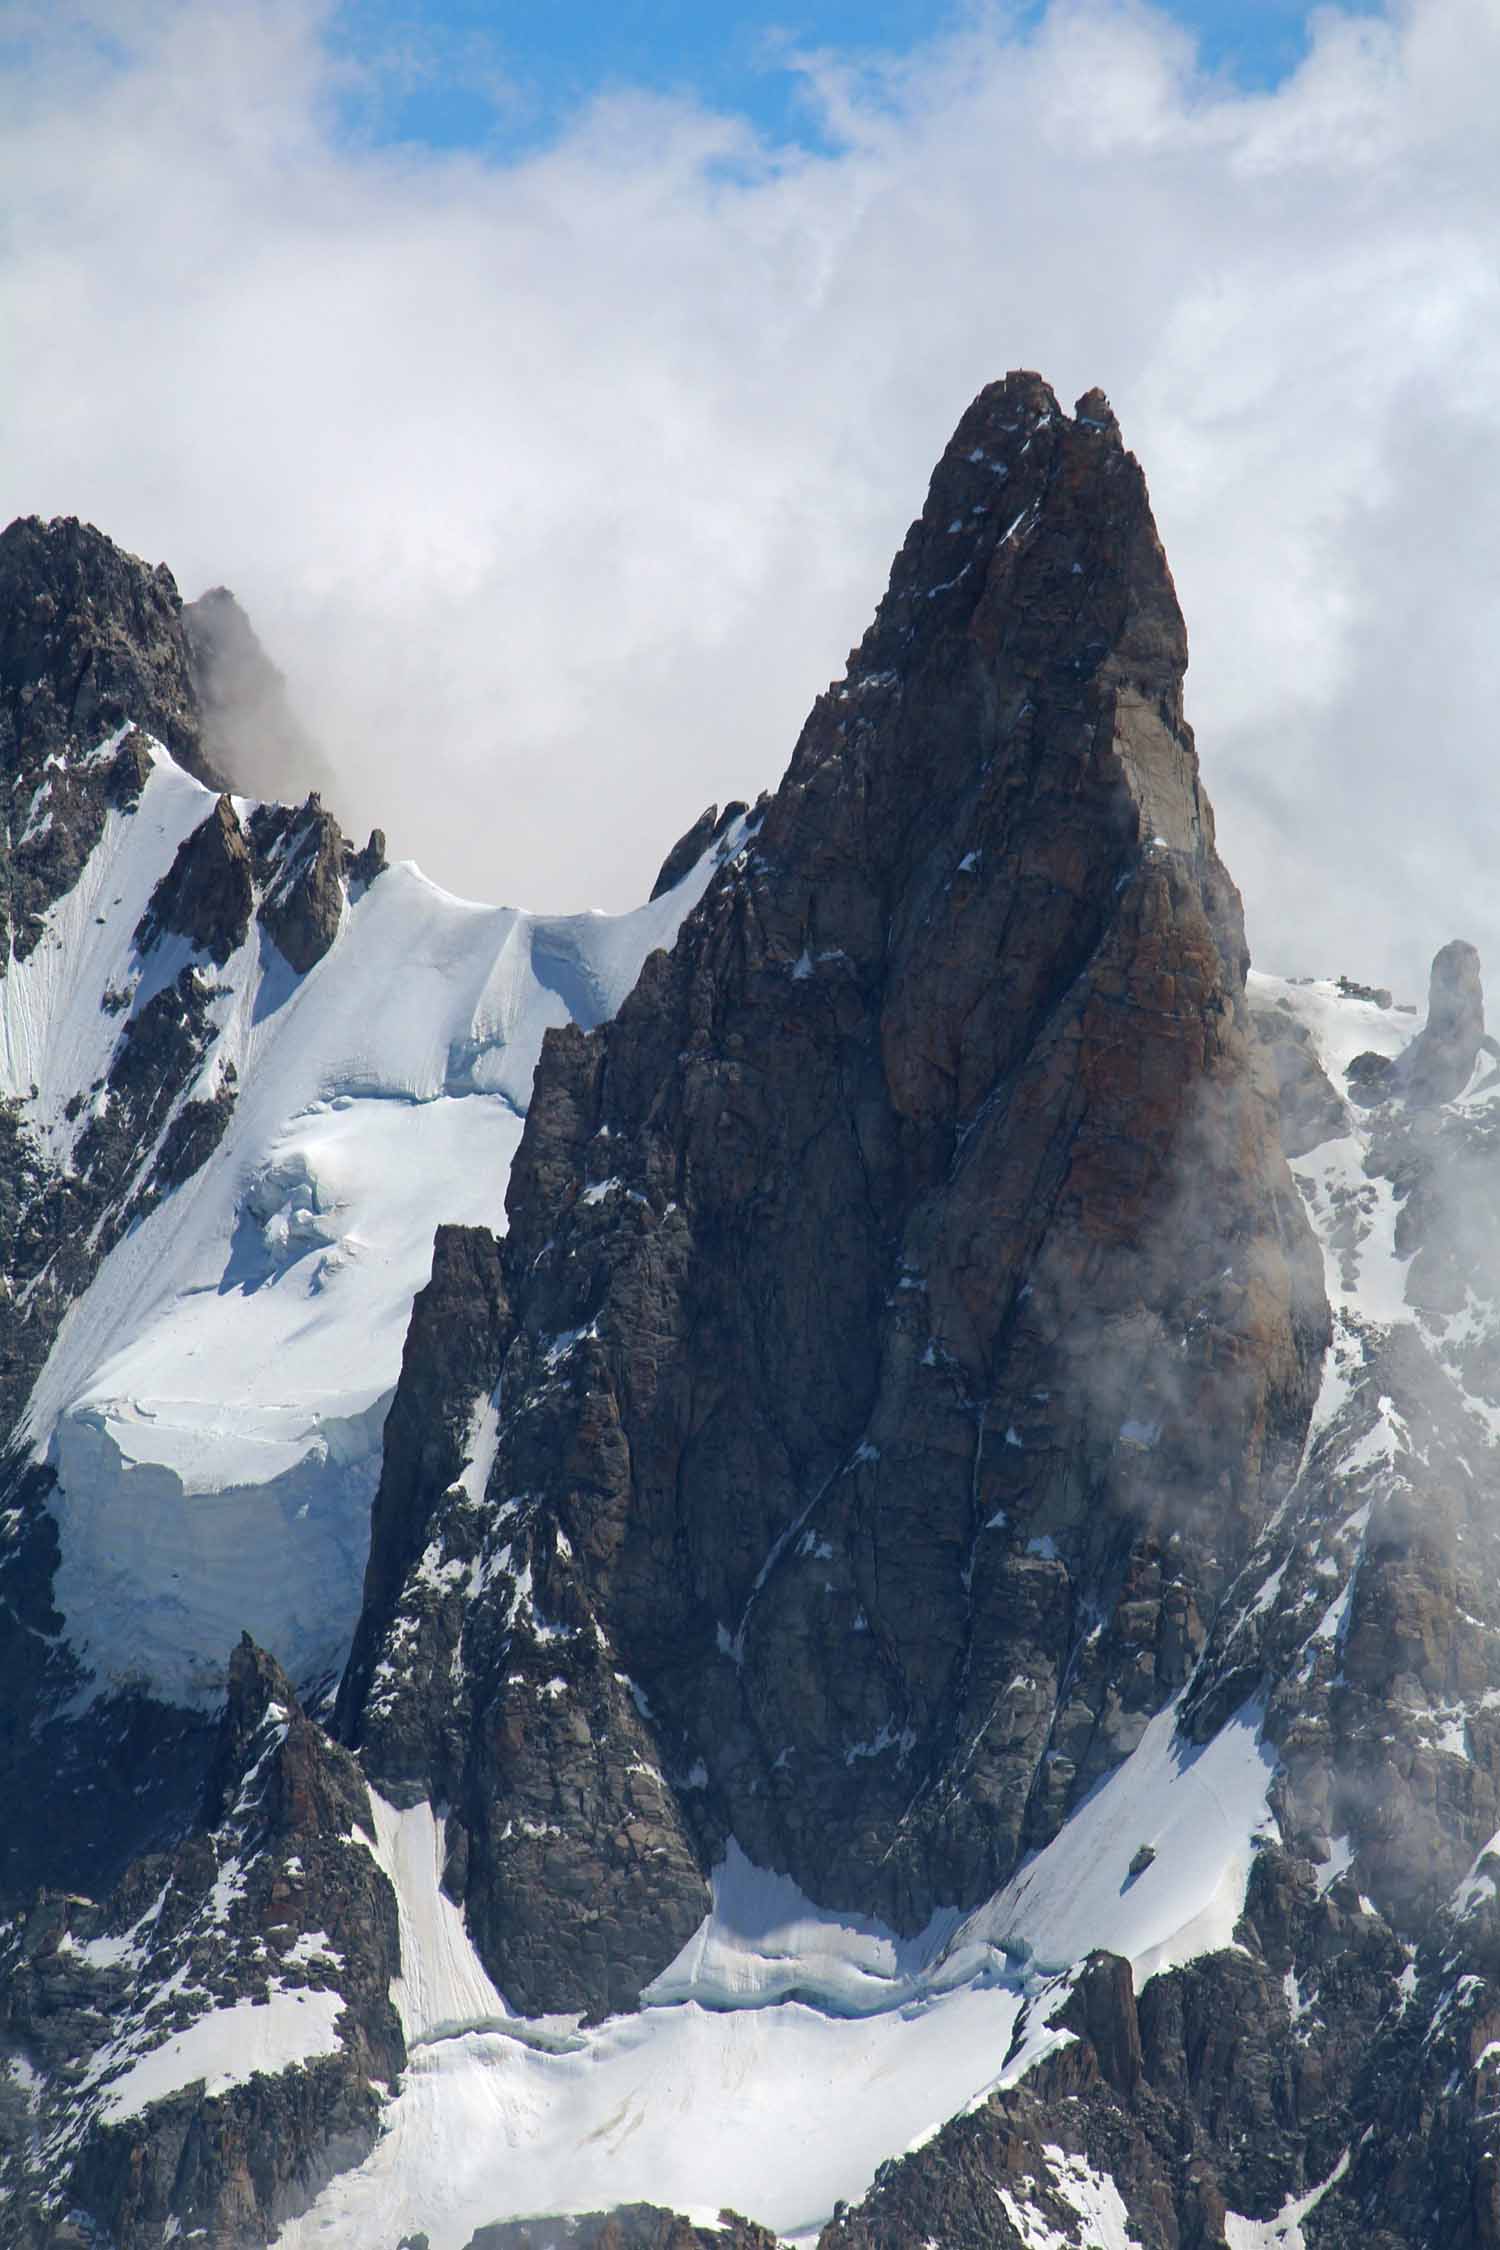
(909, 1318)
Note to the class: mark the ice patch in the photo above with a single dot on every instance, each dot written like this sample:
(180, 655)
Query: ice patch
(227, 2047)
(765, 1939)
(1199, 1808)
(1284, 2232)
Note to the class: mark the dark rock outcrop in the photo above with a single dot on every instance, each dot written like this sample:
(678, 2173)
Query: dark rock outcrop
(90, 638)
(453, 1355)
(369, 861)
(303, 862)
(910, 1323)
(690, 847)
(271, 1900)
(633, 2226)
(208, 893)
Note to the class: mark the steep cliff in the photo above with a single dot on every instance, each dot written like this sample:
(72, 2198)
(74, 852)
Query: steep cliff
(907, 1320)
(929, 1660)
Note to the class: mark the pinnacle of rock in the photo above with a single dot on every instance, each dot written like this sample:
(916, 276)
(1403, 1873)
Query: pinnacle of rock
(1440, 1061)
(906, 1317)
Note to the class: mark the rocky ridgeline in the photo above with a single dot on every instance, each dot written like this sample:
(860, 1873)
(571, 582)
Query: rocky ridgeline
(910, 1367)
(95, 647)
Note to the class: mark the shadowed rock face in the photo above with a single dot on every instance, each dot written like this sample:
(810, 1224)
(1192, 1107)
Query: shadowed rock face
(208, 893)
(271, 1901)
(90, 638)
(247, 723)
(907, 1318)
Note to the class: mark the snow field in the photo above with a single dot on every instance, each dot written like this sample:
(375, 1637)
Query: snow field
(213, 1405)
(229, 2046)
(1199, 1809)
(886, 2038)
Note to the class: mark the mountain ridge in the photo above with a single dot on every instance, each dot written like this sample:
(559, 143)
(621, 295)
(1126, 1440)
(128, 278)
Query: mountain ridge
(929, 1603)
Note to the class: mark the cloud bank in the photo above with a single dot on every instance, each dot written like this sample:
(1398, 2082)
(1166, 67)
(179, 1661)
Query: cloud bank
(559, 487)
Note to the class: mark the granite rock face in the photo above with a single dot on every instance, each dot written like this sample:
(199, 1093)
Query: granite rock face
(909, 1322)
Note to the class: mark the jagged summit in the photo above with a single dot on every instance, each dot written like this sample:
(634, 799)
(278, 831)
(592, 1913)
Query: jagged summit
(935, 1559)
(921, 1124)
(90, 638)
(96, 646)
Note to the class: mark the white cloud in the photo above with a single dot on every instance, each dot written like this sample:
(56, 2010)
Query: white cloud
(560, 488)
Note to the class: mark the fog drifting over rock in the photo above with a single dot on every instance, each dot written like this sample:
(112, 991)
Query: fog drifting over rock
(559, 486)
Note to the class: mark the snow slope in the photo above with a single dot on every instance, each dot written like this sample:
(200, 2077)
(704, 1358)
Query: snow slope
(498, 2117)
(780, 2026)
(1198, 1809)
(214, 1402)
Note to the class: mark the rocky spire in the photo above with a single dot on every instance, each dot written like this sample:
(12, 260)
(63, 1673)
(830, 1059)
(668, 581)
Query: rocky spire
(1440, 1061)
(884, 1408)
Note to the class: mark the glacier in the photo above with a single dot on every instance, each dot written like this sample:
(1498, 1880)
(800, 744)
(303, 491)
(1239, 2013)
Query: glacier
(213, 1404)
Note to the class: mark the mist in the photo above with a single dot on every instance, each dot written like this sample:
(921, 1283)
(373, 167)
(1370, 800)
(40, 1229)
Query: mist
(558, 486)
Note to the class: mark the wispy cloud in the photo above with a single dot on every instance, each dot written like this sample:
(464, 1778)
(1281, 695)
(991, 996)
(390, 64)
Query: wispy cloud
(559, 487)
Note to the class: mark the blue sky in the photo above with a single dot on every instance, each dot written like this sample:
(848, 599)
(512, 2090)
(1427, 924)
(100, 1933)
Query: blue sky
(504, 74)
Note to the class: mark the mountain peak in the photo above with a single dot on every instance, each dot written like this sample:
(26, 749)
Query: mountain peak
(902, 1160)
(91, 637)
(248, 724)
(938, 1555)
